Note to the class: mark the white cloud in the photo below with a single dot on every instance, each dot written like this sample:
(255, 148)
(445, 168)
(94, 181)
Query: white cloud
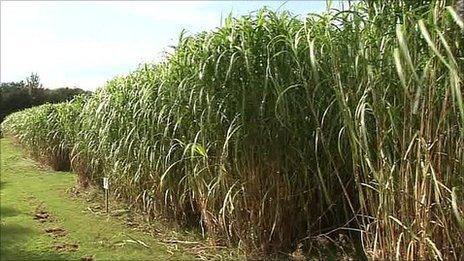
(53, 57)
(86, 43)
(182, 12)
(29, 44)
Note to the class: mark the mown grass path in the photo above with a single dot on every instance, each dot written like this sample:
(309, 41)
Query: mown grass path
(40, 220)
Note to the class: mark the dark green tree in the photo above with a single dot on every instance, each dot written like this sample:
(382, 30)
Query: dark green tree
(15, 96)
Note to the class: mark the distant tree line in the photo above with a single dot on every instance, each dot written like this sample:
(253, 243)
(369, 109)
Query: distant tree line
(15, 96)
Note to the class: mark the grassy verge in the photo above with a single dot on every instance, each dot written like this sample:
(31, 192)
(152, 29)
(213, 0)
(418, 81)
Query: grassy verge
(42, 218)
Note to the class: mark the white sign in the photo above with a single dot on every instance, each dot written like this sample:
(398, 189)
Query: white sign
(105, 183)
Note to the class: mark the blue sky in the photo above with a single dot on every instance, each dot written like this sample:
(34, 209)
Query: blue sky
(84, 44)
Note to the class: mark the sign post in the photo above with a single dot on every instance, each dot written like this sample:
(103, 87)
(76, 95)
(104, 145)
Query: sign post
(106, 187)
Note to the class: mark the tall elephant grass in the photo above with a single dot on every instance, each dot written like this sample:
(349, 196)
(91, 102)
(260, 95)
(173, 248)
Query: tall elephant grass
(407, 133)
(47, 131)
(272, 132)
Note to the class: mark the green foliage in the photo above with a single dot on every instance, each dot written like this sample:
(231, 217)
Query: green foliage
(272, 131)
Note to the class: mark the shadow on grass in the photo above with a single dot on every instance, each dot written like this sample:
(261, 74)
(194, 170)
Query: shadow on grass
(8, 212)
(15, 238)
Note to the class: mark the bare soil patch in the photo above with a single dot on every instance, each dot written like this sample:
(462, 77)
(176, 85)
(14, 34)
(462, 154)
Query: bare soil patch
(56, 232)
(67, 247)
(42, 216)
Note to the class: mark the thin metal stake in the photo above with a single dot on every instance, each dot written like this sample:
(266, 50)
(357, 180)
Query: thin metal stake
(107, 205)
(106, 187)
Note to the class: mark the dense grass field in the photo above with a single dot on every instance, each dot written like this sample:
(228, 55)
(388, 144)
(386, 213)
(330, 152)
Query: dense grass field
(275, 133)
